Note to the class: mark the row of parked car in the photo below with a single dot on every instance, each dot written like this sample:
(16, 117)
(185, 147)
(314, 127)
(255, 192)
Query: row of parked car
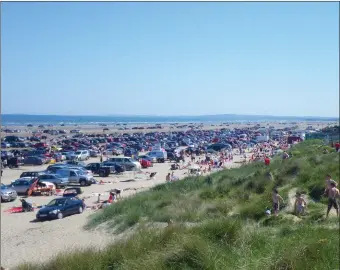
(70, 173)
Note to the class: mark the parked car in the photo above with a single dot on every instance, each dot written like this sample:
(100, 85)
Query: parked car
(94, 153)
(68, 155)
(57, 180)
(7, 194)
(61, 207)
(31, 174)
(76, 177)
(99, 168)
(145, 163)
(31, 160)
(146, 157)
(21, 185)
(160, 156)
(74, 162)
(14, 162)
(56, 167)
(82, 169)
(127, 163)
(116, 168)
(81, 155)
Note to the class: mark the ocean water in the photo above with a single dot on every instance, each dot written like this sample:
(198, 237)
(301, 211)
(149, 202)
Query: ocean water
(22, 119)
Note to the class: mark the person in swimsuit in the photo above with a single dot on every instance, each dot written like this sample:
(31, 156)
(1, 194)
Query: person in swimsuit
(329, 181)
(333, 194)
(276, 201)
(300, 204)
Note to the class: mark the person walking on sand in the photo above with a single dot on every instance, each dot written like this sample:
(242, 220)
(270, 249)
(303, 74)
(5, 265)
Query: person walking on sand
(168, 178)
(300, 204)
(276, 201)
(333, 194)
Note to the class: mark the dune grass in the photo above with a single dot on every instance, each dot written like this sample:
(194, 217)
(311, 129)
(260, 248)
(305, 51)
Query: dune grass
(229, 229)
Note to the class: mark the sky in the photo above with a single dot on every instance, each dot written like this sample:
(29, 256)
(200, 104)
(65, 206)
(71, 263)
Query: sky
(170, 58)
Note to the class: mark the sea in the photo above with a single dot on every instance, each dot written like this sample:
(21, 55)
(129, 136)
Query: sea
(25, 119)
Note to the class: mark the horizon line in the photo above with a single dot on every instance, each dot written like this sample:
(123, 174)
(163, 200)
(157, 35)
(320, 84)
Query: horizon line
(145, 115)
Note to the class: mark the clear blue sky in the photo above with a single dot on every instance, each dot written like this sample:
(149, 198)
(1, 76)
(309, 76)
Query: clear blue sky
(170, 58)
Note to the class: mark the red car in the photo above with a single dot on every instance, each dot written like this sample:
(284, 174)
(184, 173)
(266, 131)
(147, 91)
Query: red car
(40, 145)
(145, 163)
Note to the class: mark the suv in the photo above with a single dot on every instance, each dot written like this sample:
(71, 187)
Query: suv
(126, 162)
(76, 177)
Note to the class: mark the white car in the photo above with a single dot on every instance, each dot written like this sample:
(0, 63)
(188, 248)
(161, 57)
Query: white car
(82, 155)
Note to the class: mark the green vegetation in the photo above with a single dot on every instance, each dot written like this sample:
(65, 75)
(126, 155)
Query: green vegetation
(219, 221)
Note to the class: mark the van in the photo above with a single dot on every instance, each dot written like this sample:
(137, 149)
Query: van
(160, 156)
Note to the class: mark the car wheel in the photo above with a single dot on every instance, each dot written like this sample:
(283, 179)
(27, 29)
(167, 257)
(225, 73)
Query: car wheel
(80, 210)
(83, 183)
(60, 215)
(101, 174)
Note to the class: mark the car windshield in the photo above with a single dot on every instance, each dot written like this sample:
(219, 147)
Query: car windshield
(56, 202)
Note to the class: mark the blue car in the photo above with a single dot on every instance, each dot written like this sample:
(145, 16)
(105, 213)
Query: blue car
(61, 207)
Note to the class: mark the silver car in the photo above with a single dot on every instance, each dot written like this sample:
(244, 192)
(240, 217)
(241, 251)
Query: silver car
(7, 194)
(21, 185)
(57, 180)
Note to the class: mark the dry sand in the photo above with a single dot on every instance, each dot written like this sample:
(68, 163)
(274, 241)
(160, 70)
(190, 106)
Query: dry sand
(22, 239)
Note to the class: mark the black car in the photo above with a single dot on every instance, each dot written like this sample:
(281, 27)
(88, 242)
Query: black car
(32, 160)
(99, 168)
(61, 207)
(117, 168)
(14, 162)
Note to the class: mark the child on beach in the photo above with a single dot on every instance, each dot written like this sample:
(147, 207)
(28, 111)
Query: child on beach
(300, 204)
(276, 201)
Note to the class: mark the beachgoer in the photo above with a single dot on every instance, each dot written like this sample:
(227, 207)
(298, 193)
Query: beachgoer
(168, 177)
(285, 155)
(329, 180)
(300, 204)
(276, 201)
(267, 161)
(333, 194)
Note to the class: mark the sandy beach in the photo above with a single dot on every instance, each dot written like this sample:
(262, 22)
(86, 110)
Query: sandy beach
(23, 239)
